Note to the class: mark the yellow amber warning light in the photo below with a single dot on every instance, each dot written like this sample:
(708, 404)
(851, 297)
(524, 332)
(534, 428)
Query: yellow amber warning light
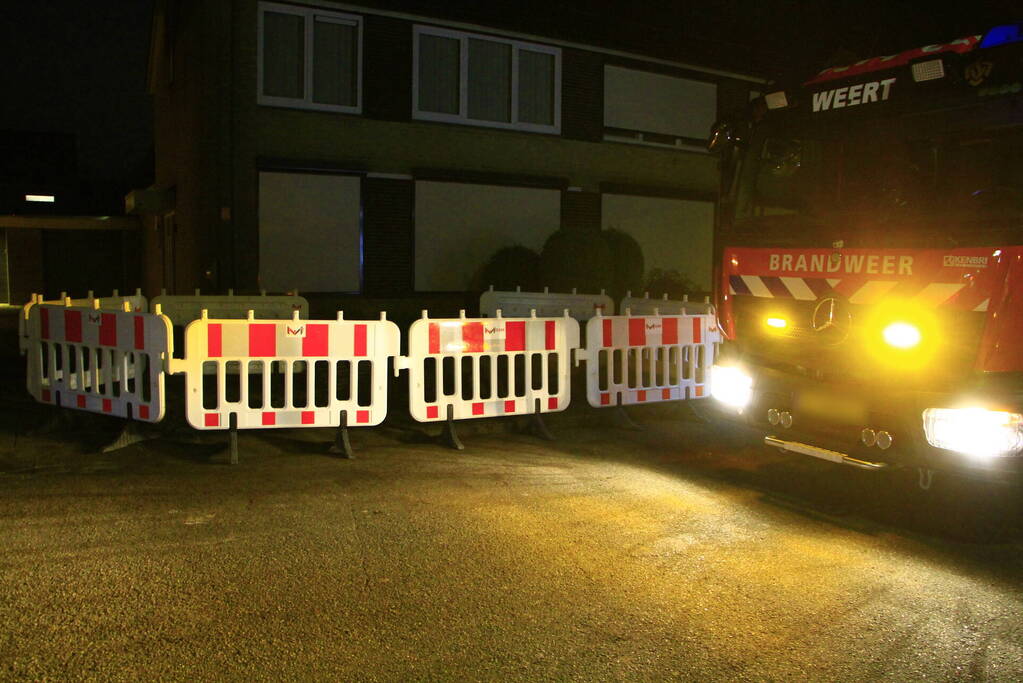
(777, 323)
(902, 335)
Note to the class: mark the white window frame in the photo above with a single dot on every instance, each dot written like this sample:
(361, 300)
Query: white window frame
(463, 81)
(310, 16)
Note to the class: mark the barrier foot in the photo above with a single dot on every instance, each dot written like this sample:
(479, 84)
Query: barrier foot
(449, 437)
(538, 428)
(234, 439)
(623, 421)
(342, 446)
(131, 434)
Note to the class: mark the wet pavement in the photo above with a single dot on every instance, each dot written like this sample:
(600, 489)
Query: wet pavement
(672, 552)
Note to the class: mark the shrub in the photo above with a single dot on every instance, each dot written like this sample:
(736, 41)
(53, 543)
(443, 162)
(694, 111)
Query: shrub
(572, 258)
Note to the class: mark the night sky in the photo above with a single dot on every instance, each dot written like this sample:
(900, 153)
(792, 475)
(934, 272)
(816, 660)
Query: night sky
(80, 67)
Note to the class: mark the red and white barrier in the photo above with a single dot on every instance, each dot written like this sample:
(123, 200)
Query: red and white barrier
(101, 361)
(648, 359)
(489, 367)
(286, 373)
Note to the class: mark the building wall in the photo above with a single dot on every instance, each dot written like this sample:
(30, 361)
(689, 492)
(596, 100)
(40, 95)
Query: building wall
(216, 139)
(192, 124)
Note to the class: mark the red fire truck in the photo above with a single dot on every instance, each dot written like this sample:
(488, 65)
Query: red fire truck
(870, 282)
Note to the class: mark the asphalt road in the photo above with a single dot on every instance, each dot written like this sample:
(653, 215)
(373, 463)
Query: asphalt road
(669, 553)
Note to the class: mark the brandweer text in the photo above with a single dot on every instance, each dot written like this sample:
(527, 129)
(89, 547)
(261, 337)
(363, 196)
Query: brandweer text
(849, 263)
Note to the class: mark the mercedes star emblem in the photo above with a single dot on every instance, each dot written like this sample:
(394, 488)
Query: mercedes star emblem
(831, 320)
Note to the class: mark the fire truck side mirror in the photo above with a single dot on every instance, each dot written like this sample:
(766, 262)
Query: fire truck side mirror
(724, 133)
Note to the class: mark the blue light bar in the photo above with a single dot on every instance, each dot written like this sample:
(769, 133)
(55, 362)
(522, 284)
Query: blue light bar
(1002, 35)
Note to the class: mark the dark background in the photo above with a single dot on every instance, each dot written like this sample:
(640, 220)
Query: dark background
(80, 68)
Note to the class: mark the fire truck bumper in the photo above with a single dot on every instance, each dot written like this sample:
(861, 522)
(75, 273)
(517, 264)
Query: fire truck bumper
(863, 427)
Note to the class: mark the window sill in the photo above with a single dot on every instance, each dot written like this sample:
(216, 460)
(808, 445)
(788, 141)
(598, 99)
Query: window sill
(474, 123)
(286, 103)
(639, 139)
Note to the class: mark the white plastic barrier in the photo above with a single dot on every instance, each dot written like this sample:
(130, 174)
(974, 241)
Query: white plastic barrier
(663, 306)
(489, 367)
(286, 373)
(183, 309)
(519, 304)
(110, 362)
(648, 359)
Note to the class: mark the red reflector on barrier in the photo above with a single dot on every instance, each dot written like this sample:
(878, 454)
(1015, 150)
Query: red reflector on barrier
(432, 412)
(549, 333)
(108, 330)
(669, 331)
(308, 417)
(214, 340)
(434, 338)
(362, 417)
(640, 395)
(140, 332)
(697, 327)
(637, 331)
(509, 406)
(73, 326)
(515, 336)
(699, 391)
(477, 408)
(360, 340)
(212, 420)
(144, 412)
(608, 333)
(472, 337)
(107, 405)
(316, 341)
(605, 399)
(269, 419)
(552, 404)
(80, 401)
(666, 394)
(262, 340)
(46, 395)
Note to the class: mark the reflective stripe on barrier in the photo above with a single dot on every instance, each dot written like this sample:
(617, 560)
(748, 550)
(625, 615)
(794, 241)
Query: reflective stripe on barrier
(184, 309)
(115, 302)
(648, 359)
(519, 304)
(99, 361)
(286, 373)
(489, 367)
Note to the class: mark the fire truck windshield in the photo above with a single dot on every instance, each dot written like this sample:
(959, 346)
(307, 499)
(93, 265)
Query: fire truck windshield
(881, 185)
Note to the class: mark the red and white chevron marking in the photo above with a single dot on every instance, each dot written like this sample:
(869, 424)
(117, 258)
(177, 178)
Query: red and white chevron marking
(858, 290)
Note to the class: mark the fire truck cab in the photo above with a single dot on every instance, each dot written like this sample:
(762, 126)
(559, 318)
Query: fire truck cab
(870, 261)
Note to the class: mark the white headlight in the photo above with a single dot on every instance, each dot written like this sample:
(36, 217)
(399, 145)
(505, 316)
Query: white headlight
(731, 386)
(974, 431)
